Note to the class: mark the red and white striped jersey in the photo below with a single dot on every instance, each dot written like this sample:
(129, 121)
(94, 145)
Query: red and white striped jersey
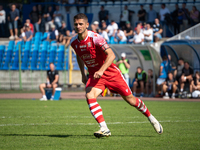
(91, 51)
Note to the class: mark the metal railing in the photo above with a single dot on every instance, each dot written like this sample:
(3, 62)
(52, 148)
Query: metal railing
(191, 33)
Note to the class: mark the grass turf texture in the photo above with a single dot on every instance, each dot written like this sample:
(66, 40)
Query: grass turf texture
(68, 124)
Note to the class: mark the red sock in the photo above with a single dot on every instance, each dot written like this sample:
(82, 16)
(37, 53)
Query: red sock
(95, 110)
(141, 107)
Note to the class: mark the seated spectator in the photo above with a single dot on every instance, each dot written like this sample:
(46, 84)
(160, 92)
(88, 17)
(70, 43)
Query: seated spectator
(52, 82)
(28, 22)
(148, 34)
(2, 21)
(196, 82)
(186, 77)
(194, 15)
(13, 22)
(53, 35)
(103, 31)
(163, 71)
(149, 83)
(138, 37)
(179, 68)
(112, 29)
(63, 29)
(157, 31)
(128, 31)
(57, 17)
(35, 19)
(26, 34)
(95, 26)
(139, 25)
(48, 16)
(170, 86)
(140, 81)
(120, 37)
(123, 64)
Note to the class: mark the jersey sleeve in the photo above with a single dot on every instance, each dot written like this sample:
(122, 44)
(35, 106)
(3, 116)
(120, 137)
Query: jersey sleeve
(56, 72)
(100, 42)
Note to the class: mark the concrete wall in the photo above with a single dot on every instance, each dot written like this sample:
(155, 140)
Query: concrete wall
(31, 79)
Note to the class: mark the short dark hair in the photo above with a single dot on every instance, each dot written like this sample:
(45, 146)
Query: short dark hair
(163, 4)
(51, 63)
(150, 70)
(197, 72)
(181, 59)
(139, 67)
(81, 16)
(186, 62)
(164, 57)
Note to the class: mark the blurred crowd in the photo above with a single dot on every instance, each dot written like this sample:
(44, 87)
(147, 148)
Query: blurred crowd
(148, 29)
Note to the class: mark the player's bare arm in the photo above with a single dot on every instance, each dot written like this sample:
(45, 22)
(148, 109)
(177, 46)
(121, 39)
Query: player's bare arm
(81, 66)
(109, 60)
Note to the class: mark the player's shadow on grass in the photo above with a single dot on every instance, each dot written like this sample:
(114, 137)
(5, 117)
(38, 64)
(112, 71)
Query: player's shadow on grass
(65, 136)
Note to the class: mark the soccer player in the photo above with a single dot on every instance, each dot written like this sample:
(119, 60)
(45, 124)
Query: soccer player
(93, 51)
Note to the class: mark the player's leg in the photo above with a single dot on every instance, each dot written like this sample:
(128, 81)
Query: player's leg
(91, 94)
(54, 86)
(120, 86)
(41, 87)
(139, 105)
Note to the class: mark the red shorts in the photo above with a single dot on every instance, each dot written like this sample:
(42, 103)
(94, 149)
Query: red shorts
(114, 81)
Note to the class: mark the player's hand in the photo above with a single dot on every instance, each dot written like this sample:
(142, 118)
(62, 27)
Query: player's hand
(98, 74)
(120, 61)
(84, 79)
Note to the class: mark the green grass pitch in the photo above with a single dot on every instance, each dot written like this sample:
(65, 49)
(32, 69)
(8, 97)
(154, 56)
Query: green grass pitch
(68, 124)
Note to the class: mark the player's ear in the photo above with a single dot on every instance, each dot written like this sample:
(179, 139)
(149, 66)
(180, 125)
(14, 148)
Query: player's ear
(87, 25)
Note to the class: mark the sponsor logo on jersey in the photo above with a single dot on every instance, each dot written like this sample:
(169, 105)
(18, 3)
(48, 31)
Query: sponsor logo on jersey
(86, 56)
(82, 46)
(83, 49)
(93, 65)
(89, 44)
(76, 46)
(90, 61)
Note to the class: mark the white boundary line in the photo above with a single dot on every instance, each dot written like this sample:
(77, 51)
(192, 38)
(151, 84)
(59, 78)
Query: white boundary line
(70, 124)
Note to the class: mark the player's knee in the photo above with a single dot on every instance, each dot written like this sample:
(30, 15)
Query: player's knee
(89, 95)
(54, 86)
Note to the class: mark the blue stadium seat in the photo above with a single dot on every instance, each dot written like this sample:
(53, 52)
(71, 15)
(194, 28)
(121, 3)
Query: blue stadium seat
(2, 49)
(44, 36)
(11, 45)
